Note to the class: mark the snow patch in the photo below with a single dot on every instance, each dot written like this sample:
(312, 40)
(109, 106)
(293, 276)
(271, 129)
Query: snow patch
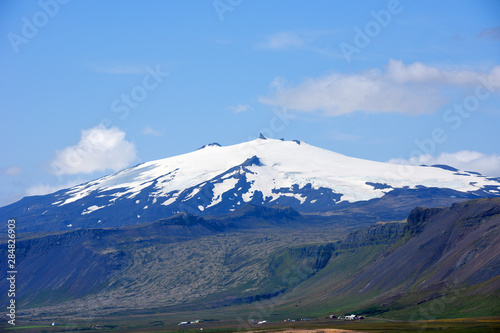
(221, 188)
(170, 200)
(192, 194)
(91, 209)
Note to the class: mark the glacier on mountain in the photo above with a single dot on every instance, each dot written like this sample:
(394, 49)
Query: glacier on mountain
(218, 179)
(274, 168)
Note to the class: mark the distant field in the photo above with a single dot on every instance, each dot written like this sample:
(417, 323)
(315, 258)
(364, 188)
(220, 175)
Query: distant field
(139, 324)
(24, 328)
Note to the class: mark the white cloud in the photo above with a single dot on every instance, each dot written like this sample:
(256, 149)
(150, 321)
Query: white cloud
(239, 108)
(42, 189)
(282, 40)
(12, 170)
(99, 149)
(148, 130)
(418, 72)
(488, 165)
(413, 89)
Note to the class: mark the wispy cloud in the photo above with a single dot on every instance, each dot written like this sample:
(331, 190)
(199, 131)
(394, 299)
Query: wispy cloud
(41, 189)
(223, 41)
(99, 149)
(418, 72)
(342, 136)
(148, 130)
(282, 40)
(239, 108)
(415, 89)
(317, 41)
(490, 33)
(118, 69)
(488, 165)
(12, 170)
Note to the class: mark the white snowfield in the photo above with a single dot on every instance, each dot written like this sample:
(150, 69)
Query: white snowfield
(283, 165)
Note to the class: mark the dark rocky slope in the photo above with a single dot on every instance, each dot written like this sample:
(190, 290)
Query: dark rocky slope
(440, 252)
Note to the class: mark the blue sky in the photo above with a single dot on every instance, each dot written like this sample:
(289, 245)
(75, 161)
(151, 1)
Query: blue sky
(91, 87)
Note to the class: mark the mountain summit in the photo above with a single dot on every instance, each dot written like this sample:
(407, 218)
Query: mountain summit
(217, 180)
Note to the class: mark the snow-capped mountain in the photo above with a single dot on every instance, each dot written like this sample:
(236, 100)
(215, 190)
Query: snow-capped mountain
(216, 180)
